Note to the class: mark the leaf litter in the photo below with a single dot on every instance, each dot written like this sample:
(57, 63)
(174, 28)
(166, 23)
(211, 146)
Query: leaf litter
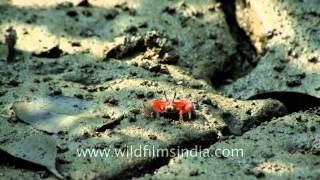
(38, 149)
(55, 113)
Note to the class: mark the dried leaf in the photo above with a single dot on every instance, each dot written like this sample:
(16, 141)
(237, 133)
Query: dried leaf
(52, 114)
(38, 149)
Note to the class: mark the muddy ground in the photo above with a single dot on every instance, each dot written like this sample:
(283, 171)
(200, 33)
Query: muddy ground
(251, 70)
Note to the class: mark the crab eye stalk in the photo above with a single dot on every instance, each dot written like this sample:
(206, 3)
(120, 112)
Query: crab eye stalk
(165, 95)
(174, 96)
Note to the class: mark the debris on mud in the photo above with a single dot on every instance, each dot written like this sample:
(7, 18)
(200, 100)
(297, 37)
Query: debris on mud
(111, 14)
(53, 52)
(80, 78)
(129, 45)
(110, 124)
(83, 3)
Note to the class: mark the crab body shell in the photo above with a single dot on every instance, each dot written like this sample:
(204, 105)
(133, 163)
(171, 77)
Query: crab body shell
(173, 109)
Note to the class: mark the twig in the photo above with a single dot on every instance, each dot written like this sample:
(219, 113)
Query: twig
(11, 39)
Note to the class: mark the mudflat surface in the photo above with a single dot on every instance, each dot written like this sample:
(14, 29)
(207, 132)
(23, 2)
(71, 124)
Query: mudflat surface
(82, 73)
(274, 150)
(288, 35)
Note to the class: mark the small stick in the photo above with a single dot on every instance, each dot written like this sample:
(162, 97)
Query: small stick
(11, 39)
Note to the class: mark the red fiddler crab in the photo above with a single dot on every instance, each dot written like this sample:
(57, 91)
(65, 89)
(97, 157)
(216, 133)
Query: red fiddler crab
(170, 108)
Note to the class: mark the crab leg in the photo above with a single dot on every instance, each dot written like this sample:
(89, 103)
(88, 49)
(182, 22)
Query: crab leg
(181, 116)
(189, 115)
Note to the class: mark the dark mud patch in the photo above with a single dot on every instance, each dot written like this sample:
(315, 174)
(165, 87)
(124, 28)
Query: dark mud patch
(130, 45)
(293, 101)
(245, 58)
(9, 160)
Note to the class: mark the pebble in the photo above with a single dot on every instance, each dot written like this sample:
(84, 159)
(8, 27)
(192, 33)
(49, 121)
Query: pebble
(111, 14)
(111, 100)
(135, 111)
(293, 83)
(150, 94)
(140, 95)
(152, 137)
